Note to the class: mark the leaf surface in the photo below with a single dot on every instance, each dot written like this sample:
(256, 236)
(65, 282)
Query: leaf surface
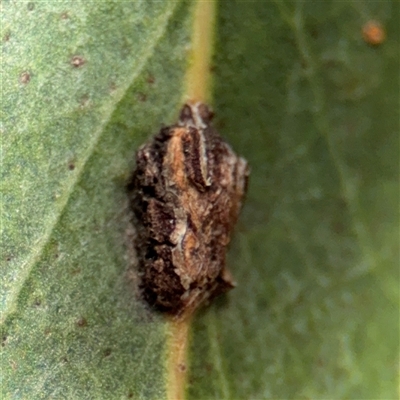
(84, 84)
(315, 110)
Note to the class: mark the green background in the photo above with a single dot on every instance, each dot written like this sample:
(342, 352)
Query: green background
(316, 112)
(72, 325)
(313, 108)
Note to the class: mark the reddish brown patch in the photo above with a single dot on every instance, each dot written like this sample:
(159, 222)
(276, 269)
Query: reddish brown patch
(182, 368)
(25, 77)
(373, 33)
(82, 322)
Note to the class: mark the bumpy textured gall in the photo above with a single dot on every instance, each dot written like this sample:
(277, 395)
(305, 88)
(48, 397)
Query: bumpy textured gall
(186, 193)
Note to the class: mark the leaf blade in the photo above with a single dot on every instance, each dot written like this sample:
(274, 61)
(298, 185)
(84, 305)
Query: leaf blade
(77, 328)
(315, 255)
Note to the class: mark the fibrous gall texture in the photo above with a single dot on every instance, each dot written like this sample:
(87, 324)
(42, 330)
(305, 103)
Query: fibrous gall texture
(186, 194)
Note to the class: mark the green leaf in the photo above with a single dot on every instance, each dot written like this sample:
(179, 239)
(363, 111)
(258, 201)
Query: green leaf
(315, 110)
(83, 85)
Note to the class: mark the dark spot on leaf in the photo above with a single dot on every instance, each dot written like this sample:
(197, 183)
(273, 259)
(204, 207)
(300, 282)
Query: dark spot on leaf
(47, 331)
(142, 97)
(3, 341)
(212, 68)
(8, 258)
(208, 367)
(181, 367)
(107, 352)
(6, 37)
(82, 322)
(77, 61)
(64, 360)
(64, 15)
(192, 380)
(71, 166)
(130, 395)
(30, 6)
(150, 79)
(76, 271)
(37, 303)
(25, 77)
